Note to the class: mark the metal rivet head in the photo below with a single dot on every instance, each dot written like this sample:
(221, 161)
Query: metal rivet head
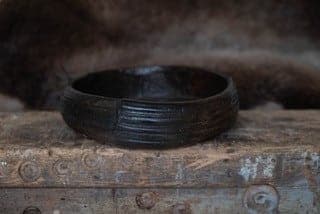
(62, 167)
(29, 171)
(91, 161)
(146, 200)
(181, 208)
(261, 199)
(32, 210)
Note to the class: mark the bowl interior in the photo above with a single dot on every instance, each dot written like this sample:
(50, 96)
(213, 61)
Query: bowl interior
(158, 83)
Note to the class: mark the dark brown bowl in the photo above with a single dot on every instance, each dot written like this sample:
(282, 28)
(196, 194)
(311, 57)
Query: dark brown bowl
(157, 106)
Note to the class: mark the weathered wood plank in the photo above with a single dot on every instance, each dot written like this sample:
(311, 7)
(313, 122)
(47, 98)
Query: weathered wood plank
(38, 150)
(101, 201)
(270, 153)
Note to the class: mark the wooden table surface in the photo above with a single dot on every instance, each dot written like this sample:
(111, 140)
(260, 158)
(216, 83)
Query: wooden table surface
(268, 163)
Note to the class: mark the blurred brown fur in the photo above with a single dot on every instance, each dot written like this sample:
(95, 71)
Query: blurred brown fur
(259, 43)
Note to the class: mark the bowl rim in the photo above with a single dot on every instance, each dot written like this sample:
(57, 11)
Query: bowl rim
(229, 87)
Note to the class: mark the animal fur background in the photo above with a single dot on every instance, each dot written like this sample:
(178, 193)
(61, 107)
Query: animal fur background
(270, 48)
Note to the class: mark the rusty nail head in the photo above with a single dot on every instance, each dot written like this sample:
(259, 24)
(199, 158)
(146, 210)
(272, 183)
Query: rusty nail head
(29, 171)
(146, 200)
(181, 208)
(91, 160)
(261, 199)
(62, 167)
(31, 210)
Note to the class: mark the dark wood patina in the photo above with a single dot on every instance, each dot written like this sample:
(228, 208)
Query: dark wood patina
(154, 106)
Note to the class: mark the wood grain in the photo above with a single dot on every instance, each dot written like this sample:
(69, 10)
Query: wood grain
(278, 149)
